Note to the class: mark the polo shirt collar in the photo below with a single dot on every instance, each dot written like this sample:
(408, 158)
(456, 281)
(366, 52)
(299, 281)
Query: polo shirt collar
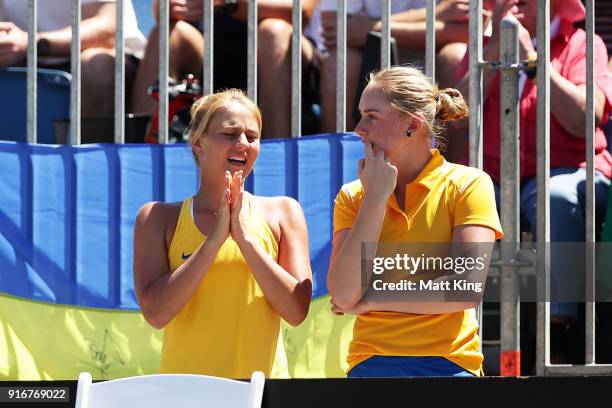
(426, 178)
(429, 175)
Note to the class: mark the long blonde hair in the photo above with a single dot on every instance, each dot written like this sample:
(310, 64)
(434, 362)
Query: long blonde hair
(411, 92)
(204, 109)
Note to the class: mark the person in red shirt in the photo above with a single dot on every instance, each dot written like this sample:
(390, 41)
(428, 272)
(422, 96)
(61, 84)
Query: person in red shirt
(567, 130)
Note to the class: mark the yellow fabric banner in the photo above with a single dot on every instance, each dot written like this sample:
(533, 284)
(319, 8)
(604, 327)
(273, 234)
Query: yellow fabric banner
(43, 341)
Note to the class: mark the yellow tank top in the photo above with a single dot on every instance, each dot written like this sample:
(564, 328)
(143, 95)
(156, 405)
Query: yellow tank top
(227, 328)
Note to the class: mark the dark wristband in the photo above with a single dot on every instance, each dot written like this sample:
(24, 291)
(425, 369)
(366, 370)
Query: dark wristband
(43, 47)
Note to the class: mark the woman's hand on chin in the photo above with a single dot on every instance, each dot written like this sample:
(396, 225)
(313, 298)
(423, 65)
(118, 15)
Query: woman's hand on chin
(377, 175)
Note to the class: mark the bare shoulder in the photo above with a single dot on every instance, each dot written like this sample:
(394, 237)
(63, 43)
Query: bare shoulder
(280, 212)
(280, 206)
(156, 217)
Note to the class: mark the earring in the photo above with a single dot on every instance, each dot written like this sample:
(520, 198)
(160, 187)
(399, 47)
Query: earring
(409, 133)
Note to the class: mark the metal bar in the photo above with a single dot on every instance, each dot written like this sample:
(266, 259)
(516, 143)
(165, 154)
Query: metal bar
(385, 34)
(341, 66)
(510, 216)
(164, 23)
(475, 86)
(32, 80)
(430, 41)
(252, 51)
(207, 75)
(543, 181)
(75, 71)
(296, 70)
(119, 74)
(596, 369)
(590, 187)
(475, 97)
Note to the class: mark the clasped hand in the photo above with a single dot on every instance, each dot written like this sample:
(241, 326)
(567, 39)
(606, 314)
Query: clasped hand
(232, 214)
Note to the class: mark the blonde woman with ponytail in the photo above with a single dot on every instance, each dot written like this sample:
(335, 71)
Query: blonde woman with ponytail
(408, 193)
(219, 270)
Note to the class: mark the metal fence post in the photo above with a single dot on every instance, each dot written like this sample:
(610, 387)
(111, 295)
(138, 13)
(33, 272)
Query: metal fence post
(164, 22)
(207, 74)
(430, 41)
(119, 74)
(509, 175)
(75, 71)
(252, 51)
(385, 33)
(543, 180)
(589, 266)
(475, 73)
(341, 66)
(32, 80)
(296, 70)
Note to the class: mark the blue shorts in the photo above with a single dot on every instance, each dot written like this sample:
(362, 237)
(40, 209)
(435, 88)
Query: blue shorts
(407, 366)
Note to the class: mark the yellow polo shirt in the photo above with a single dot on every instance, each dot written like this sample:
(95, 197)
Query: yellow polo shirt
(442, 197)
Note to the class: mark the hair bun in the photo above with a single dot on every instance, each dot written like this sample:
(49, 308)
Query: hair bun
(450, 105)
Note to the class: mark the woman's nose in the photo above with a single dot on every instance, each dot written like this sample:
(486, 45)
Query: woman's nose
(243, 141)
(360, 131)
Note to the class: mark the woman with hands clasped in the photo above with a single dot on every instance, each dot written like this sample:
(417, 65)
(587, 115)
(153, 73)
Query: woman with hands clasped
(407, 193)
(218, 271)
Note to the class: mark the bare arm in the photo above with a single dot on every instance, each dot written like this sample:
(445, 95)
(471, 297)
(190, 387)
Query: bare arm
(461, 234)
(161, 293)
(281, 9)
(489, 53)
(408, 27)
(412, 35)
(446, 11)
(378, 178)
(344, 275)
(192, 10)
(287, 285)
(97, 30)
(568, 104)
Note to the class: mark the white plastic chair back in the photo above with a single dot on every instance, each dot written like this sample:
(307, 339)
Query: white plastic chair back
(170, 390)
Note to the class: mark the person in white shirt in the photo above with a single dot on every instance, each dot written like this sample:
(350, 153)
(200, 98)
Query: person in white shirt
(408, 27)
(54, 38)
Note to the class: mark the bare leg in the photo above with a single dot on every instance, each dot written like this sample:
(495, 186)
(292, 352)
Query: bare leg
(186, 49)
(274, 57)
(97, 82)
(274, 61)
(447, 61)
(354, 57)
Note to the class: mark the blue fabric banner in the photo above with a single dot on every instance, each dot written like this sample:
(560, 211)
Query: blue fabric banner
(67, 212)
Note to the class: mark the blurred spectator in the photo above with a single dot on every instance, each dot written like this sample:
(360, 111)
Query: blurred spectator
(408, 26)
(567, 132)
(54, 38)
(230, 53)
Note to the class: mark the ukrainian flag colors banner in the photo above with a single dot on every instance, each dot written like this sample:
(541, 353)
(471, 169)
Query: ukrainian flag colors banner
(67, 302)
(44, 341)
